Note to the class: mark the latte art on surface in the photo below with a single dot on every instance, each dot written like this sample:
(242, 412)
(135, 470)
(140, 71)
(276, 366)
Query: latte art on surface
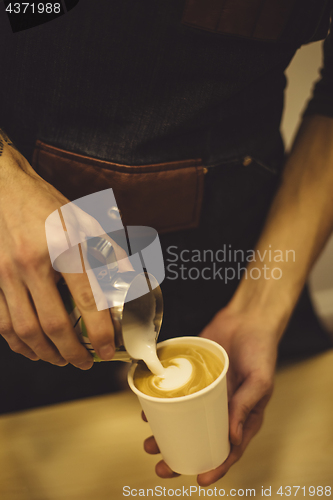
(188, 369)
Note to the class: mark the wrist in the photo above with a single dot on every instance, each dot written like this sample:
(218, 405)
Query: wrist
(268, 301)
(13, 165)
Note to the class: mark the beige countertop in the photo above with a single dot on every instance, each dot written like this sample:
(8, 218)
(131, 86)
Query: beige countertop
(91, 449)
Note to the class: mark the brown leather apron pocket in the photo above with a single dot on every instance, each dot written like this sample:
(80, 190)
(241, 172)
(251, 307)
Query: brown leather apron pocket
(257, 19)
(165, 196)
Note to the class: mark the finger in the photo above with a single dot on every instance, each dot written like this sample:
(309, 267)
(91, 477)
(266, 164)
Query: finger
(251, 428)
(26, 325)
(143, 416)
(7, 332)
(164, 471)
(123, 261)
(98, 322)
(56, 323)
(207, 478)
(150, 446)
(254, 390)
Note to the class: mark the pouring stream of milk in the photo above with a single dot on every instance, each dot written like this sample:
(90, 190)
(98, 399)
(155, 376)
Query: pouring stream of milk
(141, 344)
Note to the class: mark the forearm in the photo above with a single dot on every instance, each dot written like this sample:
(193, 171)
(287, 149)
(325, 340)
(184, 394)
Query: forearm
(300, 219)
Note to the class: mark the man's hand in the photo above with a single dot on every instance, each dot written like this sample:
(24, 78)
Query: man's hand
(252, 349)
(33, 319)
(251, 345)
(250, 327)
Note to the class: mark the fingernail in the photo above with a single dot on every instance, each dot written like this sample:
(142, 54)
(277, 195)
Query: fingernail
(33, 356)
(61, 362)
(85, 365)
(106, 352)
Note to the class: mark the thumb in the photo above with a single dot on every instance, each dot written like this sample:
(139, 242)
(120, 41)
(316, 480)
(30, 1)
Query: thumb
(254, 393)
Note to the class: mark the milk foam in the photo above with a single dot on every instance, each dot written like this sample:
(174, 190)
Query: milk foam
(188, 369)
(141, 344)
(174, 376)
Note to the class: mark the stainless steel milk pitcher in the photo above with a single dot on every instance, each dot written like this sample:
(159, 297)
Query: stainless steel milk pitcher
(130, 308)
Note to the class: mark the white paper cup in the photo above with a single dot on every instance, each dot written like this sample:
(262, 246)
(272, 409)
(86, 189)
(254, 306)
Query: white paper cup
(192, 432)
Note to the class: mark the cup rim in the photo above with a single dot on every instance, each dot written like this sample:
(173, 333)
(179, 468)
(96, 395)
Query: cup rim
(188, 396)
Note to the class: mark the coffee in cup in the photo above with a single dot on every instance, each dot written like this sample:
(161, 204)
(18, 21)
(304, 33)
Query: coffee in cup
(191, 431)
(187, 369)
